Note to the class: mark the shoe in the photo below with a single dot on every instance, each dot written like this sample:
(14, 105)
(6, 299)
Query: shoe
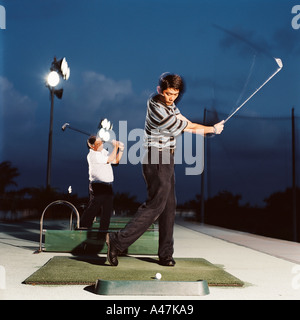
(112, 252)
(169, 262)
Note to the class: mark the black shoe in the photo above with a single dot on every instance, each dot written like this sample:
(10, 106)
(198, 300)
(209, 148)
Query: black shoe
(169, 262)
(112, 252)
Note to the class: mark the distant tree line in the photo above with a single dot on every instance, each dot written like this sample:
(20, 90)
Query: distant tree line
(275, 219)
(35, 200)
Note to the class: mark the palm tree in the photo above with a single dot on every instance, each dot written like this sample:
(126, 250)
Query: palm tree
(7, 175)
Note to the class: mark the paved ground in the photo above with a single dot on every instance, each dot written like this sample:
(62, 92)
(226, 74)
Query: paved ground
(270, 268)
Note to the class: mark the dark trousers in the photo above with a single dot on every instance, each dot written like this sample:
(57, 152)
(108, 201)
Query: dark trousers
(100, 204)
(160, 204)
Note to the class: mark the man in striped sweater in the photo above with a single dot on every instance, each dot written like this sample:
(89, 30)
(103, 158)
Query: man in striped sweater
(164, 123)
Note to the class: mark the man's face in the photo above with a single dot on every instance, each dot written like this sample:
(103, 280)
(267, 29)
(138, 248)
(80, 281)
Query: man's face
(169, 96)
(98, 145)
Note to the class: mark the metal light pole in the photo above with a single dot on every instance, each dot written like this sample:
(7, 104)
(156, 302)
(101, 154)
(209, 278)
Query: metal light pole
(294, 187)
(49, 161)
(59, 69)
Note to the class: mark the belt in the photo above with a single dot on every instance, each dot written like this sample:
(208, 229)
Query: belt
(103, 183)
(172, 151)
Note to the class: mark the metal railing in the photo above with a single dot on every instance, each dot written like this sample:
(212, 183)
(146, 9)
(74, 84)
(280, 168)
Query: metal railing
(58, 202)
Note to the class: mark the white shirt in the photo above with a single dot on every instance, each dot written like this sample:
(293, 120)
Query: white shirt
(99, 169)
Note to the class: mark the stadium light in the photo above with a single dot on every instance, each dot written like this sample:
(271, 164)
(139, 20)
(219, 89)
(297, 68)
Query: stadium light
(53, 79)
(59, 69)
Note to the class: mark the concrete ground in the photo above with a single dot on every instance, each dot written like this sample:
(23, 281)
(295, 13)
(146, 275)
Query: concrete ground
(270, 268)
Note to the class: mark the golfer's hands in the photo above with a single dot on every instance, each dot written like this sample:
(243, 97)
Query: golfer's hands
(118, 144)
(121, 146)
(219, 127)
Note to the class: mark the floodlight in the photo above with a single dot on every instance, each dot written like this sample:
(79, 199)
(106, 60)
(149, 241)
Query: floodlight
(101, 133)
(65, 69)
(104, 127)
(59, 69)
(106, 136)
(62, 67)
(53, 79)
(67, 75)
(107, 125)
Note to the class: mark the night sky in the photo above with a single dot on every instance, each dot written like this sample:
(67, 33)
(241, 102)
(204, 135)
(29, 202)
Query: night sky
(116, 51)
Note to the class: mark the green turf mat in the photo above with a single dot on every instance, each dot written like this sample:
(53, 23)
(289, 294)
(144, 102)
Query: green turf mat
(93, 241)
(84, 270)
(83, 241)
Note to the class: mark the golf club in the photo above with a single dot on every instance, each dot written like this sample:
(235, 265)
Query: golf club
(104, 127)
(67, 125)
(280, 66)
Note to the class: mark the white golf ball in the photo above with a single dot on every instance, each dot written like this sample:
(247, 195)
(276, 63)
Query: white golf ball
(158, 276)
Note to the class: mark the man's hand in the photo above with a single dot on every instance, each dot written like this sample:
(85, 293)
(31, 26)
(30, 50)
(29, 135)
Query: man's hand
(121, 146)
(118, 144)
(219, 127)
(114, 143)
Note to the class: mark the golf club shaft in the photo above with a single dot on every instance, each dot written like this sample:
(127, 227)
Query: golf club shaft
(67, 125)
(80, 131)
(253, 94)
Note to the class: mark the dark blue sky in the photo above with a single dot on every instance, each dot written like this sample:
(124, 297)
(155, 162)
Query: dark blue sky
(116, 50)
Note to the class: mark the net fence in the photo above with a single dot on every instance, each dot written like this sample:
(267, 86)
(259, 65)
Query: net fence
(250, 171)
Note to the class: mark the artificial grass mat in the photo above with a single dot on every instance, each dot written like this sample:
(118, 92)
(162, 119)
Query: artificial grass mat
(62, 270)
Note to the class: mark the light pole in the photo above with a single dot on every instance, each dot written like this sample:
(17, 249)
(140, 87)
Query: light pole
(294, 187)
(59, 69)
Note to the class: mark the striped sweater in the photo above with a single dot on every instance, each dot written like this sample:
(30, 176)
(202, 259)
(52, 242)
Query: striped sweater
(161, 125)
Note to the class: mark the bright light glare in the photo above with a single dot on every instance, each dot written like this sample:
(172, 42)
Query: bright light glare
(67, 75)
(104, 135)
(106, 124)
(53, 79)
(64, 66)
(65, 69)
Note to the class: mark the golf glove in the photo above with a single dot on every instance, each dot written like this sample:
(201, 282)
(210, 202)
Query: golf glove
(219, 127)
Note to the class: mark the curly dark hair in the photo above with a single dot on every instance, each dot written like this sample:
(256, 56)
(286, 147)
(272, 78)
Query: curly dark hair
(174, 81)
(168, 80)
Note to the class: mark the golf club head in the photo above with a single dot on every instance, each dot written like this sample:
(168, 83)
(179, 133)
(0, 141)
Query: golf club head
(63, 128)
(279, 62)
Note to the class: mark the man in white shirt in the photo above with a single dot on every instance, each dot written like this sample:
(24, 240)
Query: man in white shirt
(101, 178)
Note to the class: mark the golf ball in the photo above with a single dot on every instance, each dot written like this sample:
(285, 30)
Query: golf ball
(158, 276)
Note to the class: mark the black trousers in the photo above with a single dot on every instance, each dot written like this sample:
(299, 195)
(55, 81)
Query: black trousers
(161, 204)
(100, 204)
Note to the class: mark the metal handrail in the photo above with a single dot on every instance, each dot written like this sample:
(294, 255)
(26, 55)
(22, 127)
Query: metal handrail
(69, 204)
